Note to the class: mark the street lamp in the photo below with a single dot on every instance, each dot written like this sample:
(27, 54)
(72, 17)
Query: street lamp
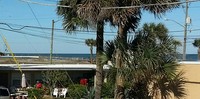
(187, 21)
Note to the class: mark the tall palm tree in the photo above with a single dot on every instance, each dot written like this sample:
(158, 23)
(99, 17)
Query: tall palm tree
(125, 19)
(154, 66)
(176, 43)
(90, 43)
(73, 20)
(196, 43)
(128, 19)
(149, 65)
(89, 10)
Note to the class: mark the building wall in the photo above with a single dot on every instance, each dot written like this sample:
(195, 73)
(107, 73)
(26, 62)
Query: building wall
(192, 75)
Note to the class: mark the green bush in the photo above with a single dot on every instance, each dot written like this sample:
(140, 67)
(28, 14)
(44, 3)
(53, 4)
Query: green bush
(108, 90)
(77, 91)
(35, 93)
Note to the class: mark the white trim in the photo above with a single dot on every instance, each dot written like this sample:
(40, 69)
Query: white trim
(189, 62)
(36, 67)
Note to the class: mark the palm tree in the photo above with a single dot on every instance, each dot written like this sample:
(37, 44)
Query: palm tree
(176, 43)
(89, 10)
(149, 65)
(154, 71)
(73, 20)
(196, 43)
(90, 43)
(128, 19)
(2, 54)
(125, 19)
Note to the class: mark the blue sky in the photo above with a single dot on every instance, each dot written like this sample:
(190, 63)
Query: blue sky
(34, 40)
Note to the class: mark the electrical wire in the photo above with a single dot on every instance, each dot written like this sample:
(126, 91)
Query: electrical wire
(77, 31)
(48, 28)
(44, 4)
(35, 16)
(34, 35)
(124, 7)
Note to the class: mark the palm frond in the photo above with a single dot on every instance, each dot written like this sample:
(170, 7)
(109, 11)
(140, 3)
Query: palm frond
(159, 9)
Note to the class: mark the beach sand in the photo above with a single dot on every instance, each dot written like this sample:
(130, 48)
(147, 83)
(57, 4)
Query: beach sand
(43, 60)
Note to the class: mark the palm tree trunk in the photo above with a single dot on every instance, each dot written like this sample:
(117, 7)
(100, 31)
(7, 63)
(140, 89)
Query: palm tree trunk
(99, 68)
(199, 53)
(91, 54)
(119, 88)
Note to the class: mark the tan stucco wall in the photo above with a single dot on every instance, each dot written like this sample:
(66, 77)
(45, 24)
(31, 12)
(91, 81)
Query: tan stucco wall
(192, 75)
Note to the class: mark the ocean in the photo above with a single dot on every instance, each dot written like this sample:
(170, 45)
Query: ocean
(192, 57)
(57, 56)
(189, 57)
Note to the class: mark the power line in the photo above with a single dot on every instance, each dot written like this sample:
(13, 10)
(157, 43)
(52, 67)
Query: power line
(44, 4)
(47, 28)
(35, 16)
(34, 35)
(42, 18)
(86, 32)
(63, 39)
(57, 29)
(124, 7)
(146, 5)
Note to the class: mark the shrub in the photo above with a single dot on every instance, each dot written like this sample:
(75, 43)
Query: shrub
(77, 91)
(35, 93)
(108, 90)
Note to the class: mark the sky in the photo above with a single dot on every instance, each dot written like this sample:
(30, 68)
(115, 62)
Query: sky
(15, 14)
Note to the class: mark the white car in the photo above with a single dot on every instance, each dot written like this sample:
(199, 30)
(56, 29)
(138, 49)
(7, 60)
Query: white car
(4, 93)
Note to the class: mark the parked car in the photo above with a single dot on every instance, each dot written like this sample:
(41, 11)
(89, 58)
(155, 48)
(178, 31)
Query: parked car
(4, 93)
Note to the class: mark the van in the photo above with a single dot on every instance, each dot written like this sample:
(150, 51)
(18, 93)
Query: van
(4, 93)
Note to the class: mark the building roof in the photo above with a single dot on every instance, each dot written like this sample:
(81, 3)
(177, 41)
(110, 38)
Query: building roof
(40, 67)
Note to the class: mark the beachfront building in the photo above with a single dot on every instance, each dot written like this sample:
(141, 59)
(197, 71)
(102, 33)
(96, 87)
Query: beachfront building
(10, 74)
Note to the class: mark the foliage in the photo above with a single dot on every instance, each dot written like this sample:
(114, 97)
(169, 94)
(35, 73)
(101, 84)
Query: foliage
(72, 20)
(108, 90)
(154, 66)
(90, 11)
(176, 43)
(2, 54)
(91, 94)
(53, 78)
(35, 93)
(150, 68)
(77, 91)
(196, 43)
(90, 43)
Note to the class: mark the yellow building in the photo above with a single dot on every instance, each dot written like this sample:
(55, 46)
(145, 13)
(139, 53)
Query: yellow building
(192, 74)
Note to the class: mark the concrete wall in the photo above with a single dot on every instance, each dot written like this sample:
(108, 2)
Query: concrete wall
(192, 75)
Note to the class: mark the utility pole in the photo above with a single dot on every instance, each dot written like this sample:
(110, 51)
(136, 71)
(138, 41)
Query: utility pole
(51, 51)
(185, 30)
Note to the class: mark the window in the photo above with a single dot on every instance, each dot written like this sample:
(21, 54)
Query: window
(4, 92)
